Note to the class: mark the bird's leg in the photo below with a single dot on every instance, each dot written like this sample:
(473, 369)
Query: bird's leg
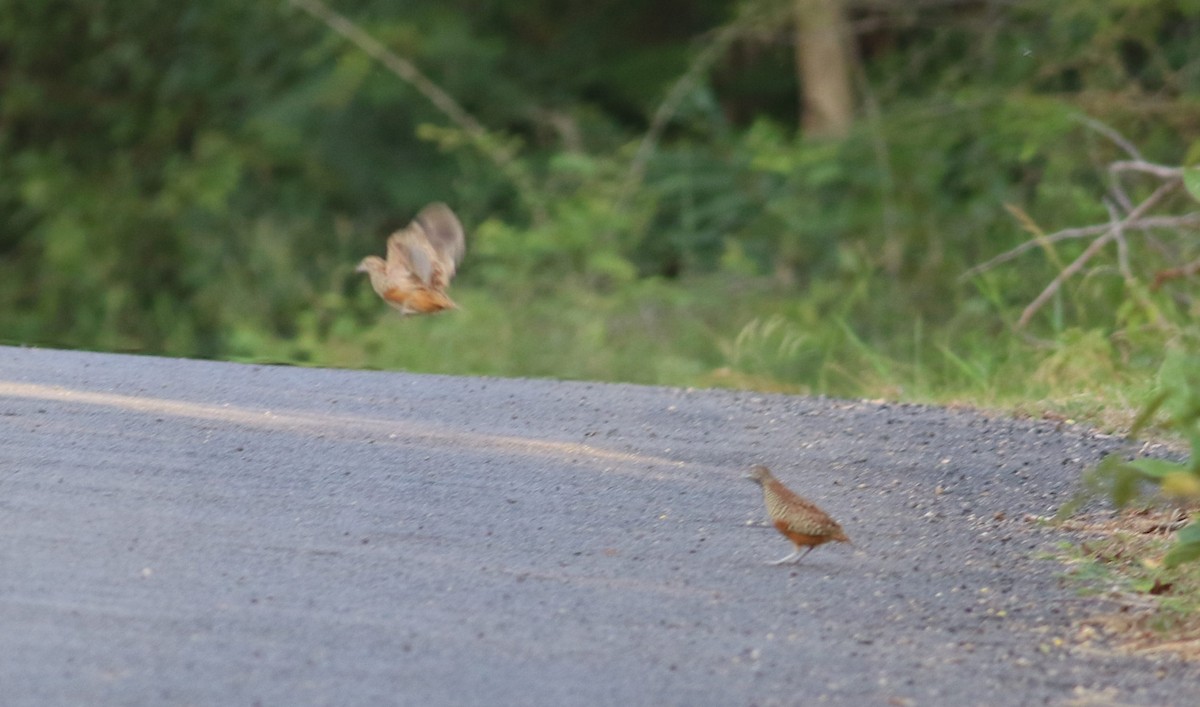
(794, 557)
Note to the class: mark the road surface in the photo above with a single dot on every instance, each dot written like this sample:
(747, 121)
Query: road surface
(182, 532)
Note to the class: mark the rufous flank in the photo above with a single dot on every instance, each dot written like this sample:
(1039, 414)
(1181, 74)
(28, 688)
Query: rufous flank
(797, 518)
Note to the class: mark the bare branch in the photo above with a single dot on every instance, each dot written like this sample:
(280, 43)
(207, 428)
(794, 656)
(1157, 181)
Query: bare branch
(1162, 276)
(1151, 201)
(1091, 250)
(1182, 221)
(678, 91)
(1114, 218)
(1111, 134)
(398, 65)
(1158, 170)
(1062, 277)
(444, 102)
(1113, 231)
(1119, 193)
(1190, 220)
(1132, 285)
(750, 17)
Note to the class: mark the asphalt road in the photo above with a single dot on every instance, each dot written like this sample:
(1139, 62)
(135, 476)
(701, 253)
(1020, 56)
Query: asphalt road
(184, 532)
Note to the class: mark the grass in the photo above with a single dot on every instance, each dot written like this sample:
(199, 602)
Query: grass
(1146, 608)
(723, 331)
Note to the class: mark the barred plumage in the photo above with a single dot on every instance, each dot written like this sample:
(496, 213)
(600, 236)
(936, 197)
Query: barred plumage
(797, 518)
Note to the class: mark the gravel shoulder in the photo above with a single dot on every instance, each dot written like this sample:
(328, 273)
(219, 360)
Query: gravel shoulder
(194, 532)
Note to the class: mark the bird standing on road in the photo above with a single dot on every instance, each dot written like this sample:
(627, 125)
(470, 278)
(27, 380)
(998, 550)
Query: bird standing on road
(797, 518)
(421, 260)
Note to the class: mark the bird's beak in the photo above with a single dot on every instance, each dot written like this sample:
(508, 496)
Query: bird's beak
(362, 267)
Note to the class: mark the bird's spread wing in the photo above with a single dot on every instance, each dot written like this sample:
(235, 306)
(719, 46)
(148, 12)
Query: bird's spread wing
(444, 234)
(408, 257)
(426, 251)
(421, 260)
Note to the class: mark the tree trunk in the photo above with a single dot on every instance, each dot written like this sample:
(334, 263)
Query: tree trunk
(823, 68)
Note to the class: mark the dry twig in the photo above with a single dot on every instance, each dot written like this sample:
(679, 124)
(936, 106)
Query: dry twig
(1158, 170)
(1183, 221)
(1117, 138)
(1111, 233)
(1115, 230)
(1183, 271)
(407, 71)
(1062, 277)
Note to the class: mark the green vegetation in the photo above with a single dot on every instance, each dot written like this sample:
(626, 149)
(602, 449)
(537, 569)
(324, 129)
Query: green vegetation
(1146, 607)
(1124, 479)
(1006, 222)
(199, 181)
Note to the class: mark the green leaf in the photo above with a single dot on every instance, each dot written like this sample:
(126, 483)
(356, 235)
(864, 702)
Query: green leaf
(1191, 180)
(1186, 547)
(1147, 414)
(1181, 484)
(1142, 586)
(1125, 484)
(1190, 532)
(1100, 478)
(1156, 468)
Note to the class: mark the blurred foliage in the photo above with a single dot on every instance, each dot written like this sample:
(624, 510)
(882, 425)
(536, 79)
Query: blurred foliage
(1123, 479)
(200, 179)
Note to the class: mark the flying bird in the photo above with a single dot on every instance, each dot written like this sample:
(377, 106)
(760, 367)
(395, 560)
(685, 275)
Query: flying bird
(797, 518)
(421, 261)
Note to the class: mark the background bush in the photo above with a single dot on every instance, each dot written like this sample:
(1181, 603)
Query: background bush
(200, 179)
